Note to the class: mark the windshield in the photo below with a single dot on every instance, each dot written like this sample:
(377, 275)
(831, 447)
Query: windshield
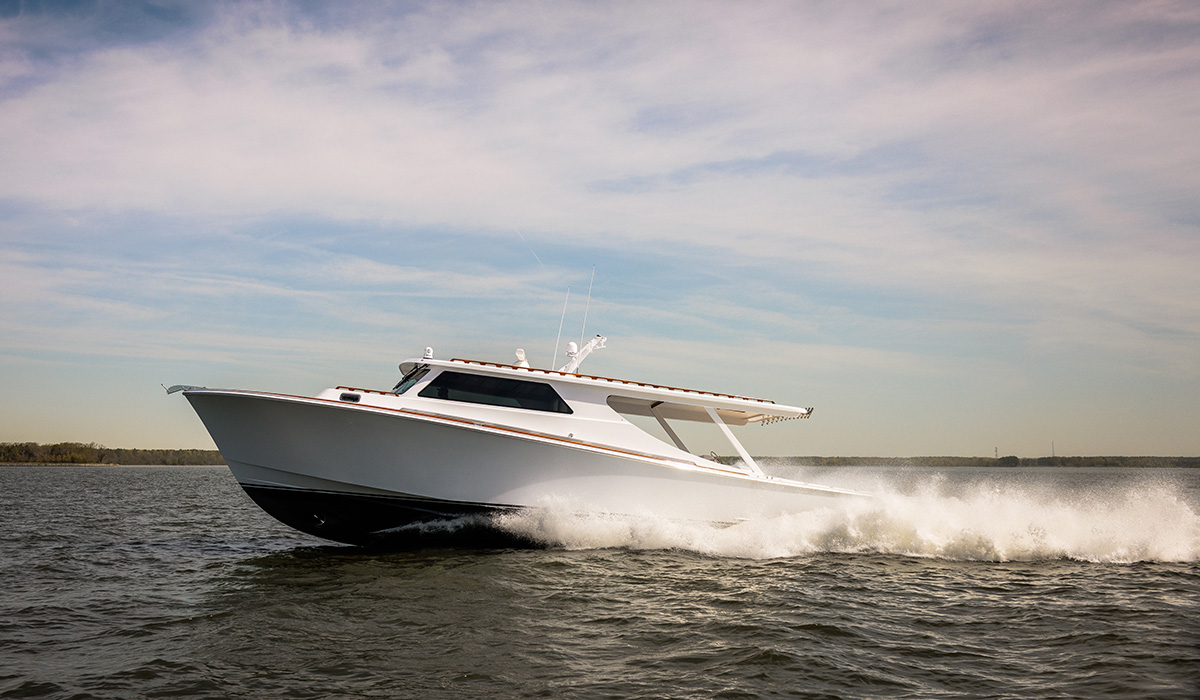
(412, 377)
(495, 391)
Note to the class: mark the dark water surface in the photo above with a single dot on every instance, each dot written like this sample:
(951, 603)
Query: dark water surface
(145, 582)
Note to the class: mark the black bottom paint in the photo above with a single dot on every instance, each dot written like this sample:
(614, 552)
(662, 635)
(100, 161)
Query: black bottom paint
(389, 522)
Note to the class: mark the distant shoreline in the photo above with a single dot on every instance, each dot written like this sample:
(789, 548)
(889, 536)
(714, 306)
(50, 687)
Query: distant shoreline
(91, 454)
(99, 464)
(81, 454)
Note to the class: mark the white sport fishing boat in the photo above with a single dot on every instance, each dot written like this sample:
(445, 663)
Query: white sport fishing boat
(468, 438)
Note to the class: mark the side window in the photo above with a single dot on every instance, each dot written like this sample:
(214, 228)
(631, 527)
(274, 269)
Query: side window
(413, 376)
(495, 391)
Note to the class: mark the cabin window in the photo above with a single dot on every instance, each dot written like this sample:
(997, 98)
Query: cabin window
(495, 391)
(413, 376)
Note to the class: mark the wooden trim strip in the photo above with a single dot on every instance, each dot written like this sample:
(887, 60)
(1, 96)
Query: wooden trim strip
(556, 438)
(366, 391)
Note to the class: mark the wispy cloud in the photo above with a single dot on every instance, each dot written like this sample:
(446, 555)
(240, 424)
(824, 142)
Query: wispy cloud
(944, 183)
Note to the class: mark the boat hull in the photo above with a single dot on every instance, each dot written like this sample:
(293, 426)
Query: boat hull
(362, 475)
(359, 519)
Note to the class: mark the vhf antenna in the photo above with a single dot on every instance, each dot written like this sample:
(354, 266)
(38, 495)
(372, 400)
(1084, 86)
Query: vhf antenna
(554, 357)
(585, 308)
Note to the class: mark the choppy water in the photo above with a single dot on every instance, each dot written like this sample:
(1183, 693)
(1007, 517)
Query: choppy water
(156, 582)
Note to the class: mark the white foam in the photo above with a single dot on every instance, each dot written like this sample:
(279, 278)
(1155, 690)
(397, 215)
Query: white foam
(986, 522)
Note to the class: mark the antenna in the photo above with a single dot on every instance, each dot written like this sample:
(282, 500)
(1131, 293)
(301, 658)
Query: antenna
(554, 357)
(586, 306)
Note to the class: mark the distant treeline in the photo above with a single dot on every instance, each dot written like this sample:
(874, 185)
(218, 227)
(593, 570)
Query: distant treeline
(1009, 461)
(91, 453)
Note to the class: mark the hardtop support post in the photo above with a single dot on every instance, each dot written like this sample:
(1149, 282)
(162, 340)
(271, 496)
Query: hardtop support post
(667, 426)
(750, 463)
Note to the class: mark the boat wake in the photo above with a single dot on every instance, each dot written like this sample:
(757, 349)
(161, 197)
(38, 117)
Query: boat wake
(987, 522)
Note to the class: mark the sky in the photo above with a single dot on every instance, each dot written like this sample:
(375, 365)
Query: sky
(952, 228)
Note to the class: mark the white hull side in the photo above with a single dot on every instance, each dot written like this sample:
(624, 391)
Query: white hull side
(330, 447)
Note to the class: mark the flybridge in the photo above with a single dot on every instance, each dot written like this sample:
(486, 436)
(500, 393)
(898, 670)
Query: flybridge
(627, 382)
(577, 356)
(639, 398)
